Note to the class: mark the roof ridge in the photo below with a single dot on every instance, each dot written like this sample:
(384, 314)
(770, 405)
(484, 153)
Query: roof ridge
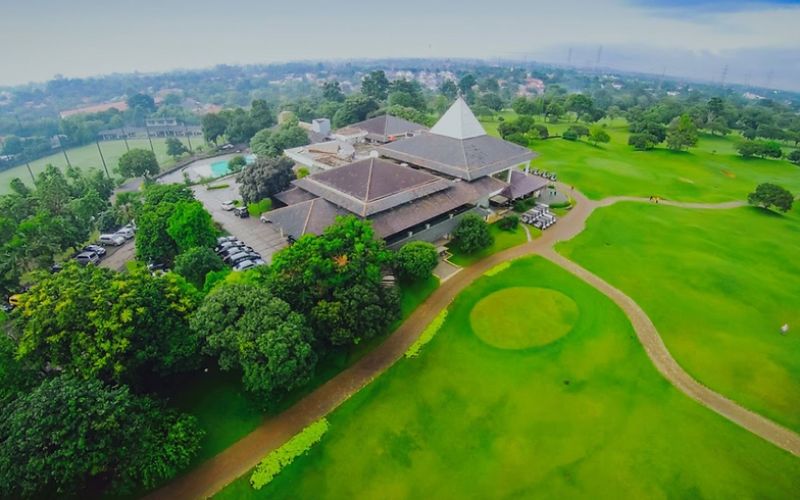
(369, 185)
(308, 215)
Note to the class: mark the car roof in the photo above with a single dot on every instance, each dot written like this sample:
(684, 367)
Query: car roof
(85, 254)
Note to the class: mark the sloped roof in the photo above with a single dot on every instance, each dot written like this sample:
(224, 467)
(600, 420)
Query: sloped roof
(311, 216)
(370, 186)
(468, 159)
(523, 184)
(458, 122)
(293, 195)
(382, 128)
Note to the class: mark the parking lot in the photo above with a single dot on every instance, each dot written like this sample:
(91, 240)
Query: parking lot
(264, 239)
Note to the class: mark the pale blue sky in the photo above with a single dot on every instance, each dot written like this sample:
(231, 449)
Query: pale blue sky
(41, 38)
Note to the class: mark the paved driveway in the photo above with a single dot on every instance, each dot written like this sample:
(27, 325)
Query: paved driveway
(264, 238)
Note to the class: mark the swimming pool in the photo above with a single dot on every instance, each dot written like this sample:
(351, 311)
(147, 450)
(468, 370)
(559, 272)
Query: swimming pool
(220, 168)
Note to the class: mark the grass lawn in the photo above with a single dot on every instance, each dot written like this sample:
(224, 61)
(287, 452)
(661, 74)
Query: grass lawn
(718, 285)
(583, 415)
(502, 240)
(710, 172)
(87, 156)
(259, 207)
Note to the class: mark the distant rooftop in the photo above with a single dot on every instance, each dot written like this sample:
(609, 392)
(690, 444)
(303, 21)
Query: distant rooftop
(386, 128)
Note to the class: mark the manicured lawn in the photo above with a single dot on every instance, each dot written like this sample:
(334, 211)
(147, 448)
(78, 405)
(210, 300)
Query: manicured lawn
(257, 208)
(586, 415)
(710, 172)
(502, 240)
(718, 285)
(87, 156)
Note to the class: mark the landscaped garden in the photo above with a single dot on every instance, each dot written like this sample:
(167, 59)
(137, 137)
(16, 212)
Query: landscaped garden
(718, 285)
(572, 407)
(503, 239)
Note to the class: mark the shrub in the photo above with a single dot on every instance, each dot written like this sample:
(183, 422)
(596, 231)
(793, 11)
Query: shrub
(259, 207)
(794, 157)
(472, 234)
(763, 149)
(641, 142)
(416, 260)
(524, 204)
(539, 131)
(569, 135)
(509, 223)
(302, 172)
(518, 138)
(578, 130)
(237, 163)
(273, 463)
(427, 334)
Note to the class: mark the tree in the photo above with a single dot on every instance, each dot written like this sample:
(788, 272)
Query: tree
(718, 126)
(261, 114)
(415, 260)
(579, 130)
(681, 133)
(354, 109)
(763, 149)
(539, 131)
(265, 178)
(509, 222)
(332, 91)
(598, 134)
(237, 163)
(641, 142)
(111, 326)
(767, 195)
(524, 106)
(375, 85)
(466, 83)
(195, 263)
(472, 234)
(248, 328)
(491, 101)
(190, 225)
(141, 102)
(153, 242)
(794, 157)
(69, 432)
(335, 280)
(449, 89)
(579, 104)
(138, 163)
(12, 145)
(554, 111)
(175, 147)
(240, 126)
(271, 144)
(214, 126)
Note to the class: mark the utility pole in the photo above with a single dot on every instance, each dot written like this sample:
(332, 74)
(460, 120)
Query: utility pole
(147, 131)
(188, 139)
(125, 138)
(63, 151)
(105, 167)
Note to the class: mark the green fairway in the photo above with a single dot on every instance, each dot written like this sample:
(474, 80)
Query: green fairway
(87, 156)
(710, 172)
(586, 415)
(718, 285)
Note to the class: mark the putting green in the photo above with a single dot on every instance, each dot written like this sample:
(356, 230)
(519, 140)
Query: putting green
(523, 317)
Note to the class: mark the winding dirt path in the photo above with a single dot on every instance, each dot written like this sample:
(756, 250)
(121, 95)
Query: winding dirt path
(213, 475)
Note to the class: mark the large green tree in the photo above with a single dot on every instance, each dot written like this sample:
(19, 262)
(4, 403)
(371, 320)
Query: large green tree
(190, 226)
(69, 432)
(681, 133)
(375, 85)
(117, 327)
(771, 195)
(138, 163)
(264, 178)
(335, 279)
(416, 260)
(248, 328)
(354, 109)
(195, 263)
(472, 234)
(175, 147)
(214, 126)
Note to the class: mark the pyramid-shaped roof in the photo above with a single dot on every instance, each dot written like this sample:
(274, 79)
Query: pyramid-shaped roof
(458, 122)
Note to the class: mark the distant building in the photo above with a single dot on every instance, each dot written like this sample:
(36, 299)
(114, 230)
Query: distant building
(415, 187)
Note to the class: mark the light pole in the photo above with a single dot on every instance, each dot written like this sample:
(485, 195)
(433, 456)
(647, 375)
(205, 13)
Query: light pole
(105, 167)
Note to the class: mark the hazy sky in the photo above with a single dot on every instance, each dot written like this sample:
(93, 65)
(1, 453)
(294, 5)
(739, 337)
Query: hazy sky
(42, 38)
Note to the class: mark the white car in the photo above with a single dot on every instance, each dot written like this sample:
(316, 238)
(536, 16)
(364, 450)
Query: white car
(228, 205)
(247, 264)
(112, 239)
(125, 232)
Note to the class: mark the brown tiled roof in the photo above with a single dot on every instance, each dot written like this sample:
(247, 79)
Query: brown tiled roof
(370, 186)
(523, 184)
(409, 215)
(383, 128)
(311, 216)
(293, 196)
(468, 159)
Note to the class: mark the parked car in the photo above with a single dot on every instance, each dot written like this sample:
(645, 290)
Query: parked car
(100, 251)
(227, 244)
(247, 264)
(125, 232)
(264, 217)
(228, 205)
(235, 249)
(238, 257)
(56, 268)
(85, 258)
(223, 239)
(241, 212)
(111, 239)
(157, 268)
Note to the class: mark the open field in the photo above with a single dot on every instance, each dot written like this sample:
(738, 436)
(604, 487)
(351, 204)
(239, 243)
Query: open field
(581, 414)
(718, 285)
(711, 172)
(87, 156)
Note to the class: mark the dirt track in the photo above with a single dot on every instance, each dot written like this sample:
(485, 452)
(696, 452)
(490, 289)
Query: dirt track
(214, 474)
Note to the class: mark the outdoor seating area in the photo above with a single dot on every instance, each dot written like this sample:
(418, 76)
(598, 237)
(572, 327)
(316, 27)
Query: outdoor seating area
(539, 217)
(543, 173)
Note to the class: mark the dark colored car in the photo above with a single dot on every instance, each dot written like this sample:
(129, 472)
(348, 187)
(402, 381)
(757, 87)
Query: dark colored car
(241, 212)
(100, 251)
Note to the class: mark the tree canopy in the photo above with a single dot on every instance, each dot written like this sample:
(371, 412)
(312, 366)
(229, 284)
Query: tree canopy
(264, 178)
(138, 163)
(681, 133)
(769, 195)
(472, 234)
(195, 263)
(416, 260)
(190, 226)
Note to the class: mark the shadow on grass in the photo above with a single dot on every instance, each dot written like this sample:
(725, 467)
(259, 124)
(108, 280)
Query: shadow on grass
(766, 212)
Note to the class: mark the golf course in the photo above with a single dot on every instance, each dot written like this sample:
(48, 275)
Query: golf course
(581, 413)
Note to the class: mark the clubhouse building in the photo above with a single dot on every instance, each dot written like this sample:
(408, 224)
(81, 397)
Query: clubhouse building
(414, 183)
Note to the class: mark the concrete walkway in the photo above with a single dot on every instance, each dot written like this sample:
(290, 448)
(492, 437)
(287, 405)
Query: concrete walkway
(213, 475)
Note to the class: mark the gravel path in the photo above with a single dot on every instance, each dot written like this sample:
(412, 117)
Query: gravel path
(213, 475)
